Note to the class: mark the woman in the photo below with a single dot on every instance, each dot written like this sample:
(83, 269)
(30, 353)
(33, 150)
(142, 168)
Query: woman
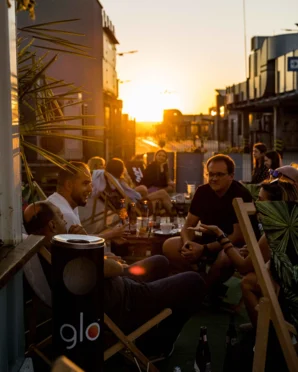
(260, 171)
(117, 169)
(272, 160)
(96, 163)
(274, 191)
(156, 175)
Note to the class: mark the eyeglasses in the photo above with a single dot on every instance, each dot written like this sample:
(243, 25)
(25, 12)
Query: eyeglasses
(217, 174)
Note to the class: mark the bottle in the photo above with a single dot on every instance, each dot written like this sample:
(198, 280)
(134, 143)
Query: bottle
(156, 215)
(123, 215)
(203, 356)
(231, 341)
(132, 217)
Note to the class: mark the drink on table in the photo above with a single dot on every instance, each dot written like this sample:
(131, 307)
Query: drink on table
(203, 356)
(156, 215)
(123, 215)
(132, 217)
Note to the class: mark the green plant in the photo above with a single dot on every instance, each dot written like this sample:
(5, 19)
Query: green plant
(42, 97)
(280, 224)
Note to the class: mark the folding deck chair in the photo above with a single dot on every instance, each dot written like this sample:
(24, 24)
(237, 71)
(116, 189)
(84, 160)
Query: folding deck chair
(104, 204)
(269, 308)
(38, 283)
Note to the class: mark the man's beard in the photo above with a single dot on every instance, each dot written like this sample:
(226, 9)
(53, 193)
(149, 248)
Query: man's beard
(80, 202)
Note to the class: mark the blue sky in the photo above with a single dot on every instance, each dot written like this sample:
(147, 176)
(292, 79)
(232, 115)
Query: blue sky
(188, 48)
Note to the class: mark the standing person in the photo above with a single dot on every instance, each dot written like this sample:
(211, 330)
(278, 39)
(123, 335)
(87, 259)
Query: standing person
(156, 175)
(260, 171)
(272, 160)
(212, 205)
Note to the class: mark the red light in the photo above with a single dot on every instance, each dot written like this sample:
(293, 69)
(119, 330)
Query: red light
(137, 270)
(93, 331)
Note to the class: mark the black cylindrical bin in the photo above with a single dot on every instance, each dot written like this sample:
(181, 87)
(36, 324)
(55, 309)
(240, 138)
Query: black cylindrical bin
(77, 296)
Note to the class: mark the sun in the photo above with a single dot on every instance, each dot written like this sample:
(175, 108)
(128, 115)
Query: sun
(146, 102)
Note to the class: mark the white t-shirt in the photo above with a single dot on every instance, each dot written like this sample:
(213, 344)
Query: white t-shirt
(70, 215)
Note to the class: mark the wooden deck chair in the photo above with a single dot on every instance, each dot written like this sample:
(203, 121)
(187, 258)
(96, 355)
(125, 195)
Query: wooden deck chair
(269, 308)
(104, 206)
(39, 285)
(63, 364)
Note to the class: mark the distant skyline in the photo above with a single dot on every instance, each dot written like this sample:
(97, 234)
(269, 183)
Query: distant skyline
(187, 49)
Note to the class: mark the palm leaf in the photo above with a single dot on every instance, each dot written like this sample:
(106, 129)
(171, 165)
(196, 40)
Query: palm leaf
(283, 267)
(253, 189)
(37, 91)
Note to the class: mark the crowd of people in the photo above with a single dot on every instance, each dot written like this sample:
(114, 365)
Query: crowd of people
(177, 278)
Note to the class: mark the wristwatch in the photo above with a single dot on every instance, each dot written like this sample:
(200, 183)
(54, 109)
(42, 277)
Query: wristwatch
(220, 237)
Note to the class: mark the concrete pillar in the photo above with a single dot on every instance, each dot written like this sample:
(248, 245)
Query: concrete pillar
(245, 128)
(277, 123)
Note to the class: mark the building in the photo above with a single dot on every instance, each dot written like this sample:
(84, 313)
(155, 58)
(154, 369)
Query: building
(265, 106)
(175, 125)
(97, 75)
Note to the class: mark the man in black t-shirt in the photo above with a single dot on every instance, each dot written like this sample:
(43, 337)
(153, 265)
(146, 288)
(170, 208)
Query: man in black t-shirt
(212, 205)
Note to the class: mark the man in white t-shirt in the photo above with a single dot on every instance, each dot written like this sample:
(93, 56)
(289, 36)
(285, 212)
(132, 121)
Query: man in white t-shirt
(73, 189)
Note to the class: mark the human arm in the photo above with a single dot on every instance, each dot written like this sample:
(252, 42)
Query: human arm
(115, 232)
(77, 229)
(243, 264)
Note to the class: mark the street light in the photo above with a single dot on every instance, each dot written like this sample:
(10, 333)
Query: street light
(129, 52)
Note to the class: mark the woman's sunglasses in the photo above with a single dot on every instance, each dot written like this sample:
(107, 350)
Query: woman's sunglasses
(276, 174)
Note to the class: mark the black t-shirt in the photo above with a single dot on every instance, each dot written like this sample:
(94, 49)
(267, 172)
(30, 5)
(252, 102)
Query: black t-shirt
(214, 210)
(136, 171)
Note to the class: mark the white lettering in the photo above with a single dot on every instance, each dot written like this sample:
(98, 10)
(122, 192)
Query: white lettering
(73, 339)
(92, 332)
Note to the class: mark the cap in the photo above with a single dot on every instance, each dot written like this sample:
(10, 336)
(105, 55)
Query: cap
(289, 171)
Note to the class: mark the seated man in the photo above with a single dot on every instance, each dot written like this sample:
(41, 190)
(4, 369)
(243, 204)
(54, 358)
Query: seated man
(212, 205)
(73, 190)
(131, 299)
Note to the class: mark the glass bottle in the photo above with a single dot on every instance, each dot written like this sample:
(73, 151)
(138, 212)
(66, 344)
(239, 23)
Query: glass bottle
(231, 341)
(156, 215)
(123, 215)
(203, 356)
(132, 217)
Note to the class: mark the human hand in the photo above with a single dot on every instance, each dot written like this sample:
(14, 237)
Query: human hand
(77, 229)
(207, 229)
(244, 251)
(118, 231)
(192, 251)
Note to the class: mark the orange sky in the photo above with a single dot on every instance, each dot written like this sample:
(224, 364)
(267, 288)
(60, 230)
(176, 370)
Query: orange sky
(187, 49)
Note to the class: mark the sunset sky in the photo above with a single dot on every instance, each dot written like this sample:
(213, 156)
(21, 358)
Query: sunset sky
(187, 49)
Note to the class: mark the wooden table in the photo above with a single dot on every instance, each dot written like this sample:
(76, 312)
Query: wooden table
(136, 248)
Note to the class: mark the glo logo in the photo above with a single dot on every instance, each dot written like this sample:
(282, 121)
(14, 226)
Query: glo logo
(70, 334)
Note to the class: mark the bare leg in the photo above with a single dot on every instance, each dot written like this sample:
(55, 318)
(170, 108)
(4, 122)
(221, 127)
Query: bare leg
(142, 190)
(251, 295)
(171, 249)
(164, 197)
(221, 270)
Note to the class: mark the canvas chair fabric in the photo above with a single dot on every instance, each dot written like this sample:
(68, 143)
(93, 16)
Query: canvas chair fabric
(269, 307)
(103, 205)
